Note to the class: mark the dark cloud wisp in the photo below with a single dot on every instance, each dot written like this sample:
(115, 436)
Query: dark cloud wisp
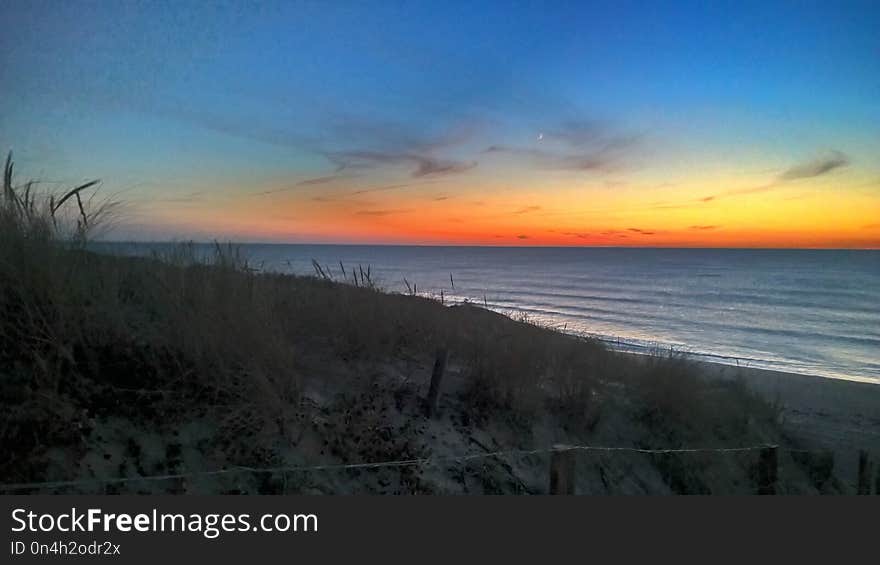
(423, 165)
(816, 167)
(810, 169)
(383, 212)
(527, 209)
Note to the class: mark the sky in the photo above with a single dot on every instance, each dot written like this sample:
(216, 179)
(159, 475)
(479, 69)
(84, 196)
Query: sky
(743, 124)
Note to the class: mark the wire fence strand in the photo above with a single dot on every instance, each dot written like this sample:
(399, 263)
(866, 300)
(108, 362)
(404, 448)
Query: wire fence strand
(422, 461)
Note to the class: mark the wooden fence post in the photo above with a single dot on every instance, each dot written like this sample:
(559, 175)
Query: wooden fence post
(864, 473)
(436, 377)
(562, 470)
(877, 481)
(768, 467)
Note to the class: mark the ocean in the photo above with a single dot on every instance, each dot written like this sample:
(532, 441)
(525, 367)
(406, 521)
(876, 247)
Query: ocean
(815, 312)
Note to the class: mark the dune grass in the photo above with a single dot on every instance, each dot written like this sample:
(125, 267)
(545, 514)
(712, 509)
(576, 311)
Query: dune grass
(302, 369)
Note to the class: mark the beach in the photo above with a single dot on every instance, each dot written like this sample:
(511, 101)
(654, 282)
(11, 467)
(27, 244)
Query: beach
(836, 415)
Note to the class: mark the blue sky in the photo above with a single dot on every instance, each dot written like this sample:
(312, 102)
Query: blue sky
(219, 100)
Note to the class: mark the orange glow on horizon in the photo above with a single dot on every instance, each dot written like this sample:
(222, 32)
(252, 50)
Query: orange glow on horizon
(809, 214)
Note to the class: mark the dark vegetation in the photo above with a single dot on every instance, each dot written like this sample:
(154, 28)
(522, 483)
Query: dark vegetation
(120, 367)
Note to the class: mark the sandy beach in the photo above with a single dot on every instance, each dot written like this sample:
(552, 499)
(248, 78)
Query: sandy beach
(818, 413)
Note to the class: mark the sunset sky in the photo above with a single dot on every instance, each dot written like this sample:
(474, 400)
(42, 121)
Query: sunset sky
(508, 123)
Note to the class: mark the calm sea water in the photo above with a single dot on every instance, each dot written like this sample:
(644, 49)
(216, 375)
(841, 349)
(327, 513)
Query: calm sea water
(806, 311)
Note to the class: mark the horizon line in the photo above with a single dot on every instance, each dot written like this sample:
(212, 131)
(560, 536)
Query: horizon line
(525, 246)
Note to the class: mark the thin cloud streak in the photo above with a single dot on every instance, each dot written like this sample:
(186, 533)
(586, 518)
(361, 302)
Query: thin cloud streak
(641, 231)
(810, 169)
(424, 166)
(577, 133)
(320, 180)
(382, 188)
(384, 212)
(574, 145)
(816, 167)
(528, 209)
(388, 144)
(599, 160)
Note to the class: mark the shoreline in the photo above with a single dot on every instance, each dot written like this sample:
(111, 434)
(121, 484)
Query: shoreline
(637, 346)
(861, 397)
(827, 413)
(701, 358)
(838, 416)
(800, 392)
